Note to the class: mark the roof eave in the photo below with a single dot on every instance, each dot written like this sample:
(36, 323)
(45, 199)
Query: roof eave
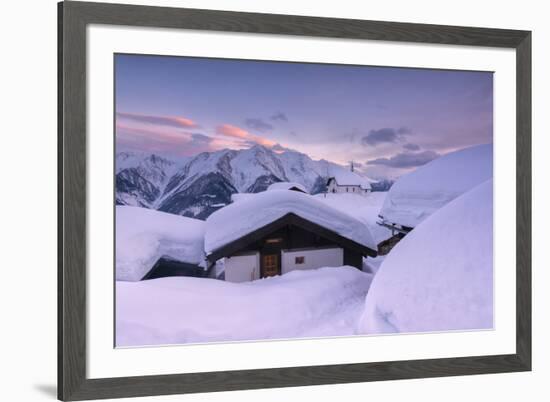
(394, 226)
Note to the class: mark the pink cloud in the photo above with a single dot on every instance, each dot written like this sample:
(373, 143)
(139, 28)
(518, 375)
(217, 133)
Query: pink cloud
(170, 121)
(232, 131)
(237, 132)
(145, 134)
(162, 140)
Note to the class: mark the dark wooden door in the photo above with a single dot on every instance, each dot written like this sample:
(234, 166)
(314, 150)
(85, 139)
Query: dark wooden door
(270, 265)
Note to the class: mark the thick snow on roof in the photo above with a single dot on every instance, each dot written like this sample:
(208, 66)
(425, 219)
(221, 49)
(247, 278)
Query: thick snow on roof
(365, 209)
(317, 303)
(144, 235)
(440, 276)
(286, 185)
(418, 194)
(236, 197)
(345, 177)
(239, 219)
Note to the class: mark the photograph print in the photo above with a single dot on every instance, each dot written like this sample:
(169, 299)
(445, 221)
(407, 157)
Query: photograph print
(262, 200)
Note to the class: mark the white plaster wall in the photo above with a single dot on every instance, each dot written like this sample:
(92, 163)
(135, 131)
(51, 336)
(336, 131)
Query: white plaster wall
(315, 258)
(242, 268)
(345, 189)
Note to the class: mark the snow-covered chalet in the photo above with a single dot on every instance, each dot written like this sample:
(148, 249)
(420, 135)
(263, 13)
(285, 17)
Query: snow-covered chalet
(278, 231)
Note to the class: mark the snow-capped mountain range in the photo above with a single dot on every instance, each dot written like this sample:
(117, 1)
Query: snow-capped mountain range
(199, 185)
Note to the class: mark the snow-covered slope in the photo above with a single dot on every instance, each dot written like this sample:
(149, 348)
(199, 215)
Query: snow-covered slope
(242, 217)
(144, 235)
(200, 185)
(141, 178)
(440, 276)
(314, 303)
(222, 173)
(417, 195)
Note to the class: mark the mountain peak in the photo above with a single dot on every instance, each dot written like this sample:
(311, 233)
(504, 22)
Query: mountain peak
(197, 186)
(260, 148)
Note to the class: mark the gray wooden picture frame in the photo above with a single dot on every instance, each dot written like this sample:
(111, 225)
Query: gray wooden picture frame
(73, 18)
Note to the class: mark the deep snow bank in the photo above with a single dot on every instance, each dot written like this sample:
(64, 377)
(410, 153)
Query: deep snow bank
(440, 276)
(240, 218)
(321, 302)
(417, 195)
(144, 235)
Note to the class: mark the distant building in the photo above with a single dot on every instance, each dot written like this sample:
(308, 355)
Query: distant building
(347, 181)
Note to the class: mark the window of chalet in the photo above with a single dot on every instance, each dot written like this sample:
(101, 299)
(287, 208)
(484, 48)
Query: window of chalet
(299, 260)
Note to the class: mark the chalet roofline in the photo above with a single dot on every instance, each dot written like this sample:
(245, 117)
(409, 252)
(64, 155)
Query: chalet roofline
(288, 219)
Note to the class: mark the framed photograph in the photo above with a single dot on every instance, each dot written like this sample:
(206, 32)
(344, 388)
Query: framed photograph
(256, 201)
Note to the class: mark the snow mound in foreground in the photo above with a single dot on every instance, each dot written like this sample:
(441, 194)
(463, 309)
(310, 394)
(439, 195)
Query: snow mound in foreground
(364, 208)
(144, 235)
(417, 195)
(440, 276)
(176, 310)
(240, 218)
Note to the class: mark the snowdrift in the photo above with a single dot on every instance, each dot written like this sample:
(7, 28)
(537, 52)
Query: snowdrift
(322, 302)
(440, 276)
(417, 195)
(144, 235)
(251, 213)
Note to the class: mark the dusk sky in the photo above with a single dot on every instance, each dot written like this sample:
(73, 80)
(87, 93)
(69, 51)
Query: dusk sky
(387, 120)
